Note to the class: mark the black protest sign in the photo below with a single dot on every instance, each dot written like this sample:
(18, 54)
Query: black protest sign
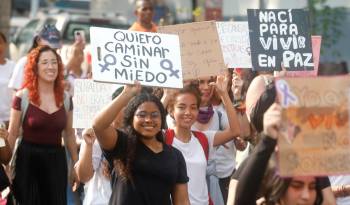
(280, 36)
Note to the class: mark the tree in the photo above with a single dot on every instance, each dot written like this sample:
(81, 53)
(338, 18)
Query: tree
(5, 13)
(326, 21)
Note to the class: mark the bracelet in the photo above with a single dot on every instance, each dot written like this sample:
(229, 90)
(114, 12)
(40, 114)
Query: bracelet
(341, 191)
(344, 191)
(239, 106)
(237, 100)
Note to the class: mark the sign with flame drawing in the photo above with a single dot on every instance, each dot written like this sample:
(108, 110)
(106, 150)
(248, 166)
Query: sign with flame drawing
(315, 132)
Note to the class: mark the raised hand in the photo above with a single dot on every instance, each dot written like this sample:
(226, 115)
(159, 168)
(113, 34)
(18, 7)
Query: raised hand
(89, 136)
(133, 89)
(221, 84)
(237, 85)
(281, 73)
(272, 121)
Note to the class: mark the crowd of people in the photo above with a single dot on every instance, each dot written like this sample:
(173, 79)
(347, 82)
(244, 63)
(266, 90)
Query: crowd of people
(148, 146)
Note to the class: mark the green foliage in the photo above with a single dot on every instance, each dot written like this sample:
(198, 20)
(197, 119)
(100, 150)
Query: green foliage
(326, 21)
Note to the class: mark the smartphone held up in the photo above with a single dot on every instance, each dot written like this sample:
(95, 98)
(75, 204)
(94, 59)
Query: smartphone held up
(79, 36)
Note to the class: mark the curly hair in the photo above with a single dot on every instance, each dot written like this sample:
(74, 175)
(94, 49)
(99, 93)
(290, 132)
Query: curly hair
(31, 76)
(124, 165)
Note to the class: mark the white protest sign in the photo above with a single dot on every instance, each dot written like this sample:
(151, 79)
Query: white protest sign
(121, 56)
(89, 98)
(235, 46)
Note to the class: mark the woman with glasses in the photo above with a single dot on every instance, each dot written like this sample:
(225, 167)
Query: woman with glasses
(48, 35)
(148, 171)
(41, 167)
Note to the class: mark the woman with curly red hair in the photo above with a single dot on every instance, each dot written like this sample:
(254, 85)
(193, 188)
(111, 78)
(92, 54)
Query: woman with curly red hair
(41, 169)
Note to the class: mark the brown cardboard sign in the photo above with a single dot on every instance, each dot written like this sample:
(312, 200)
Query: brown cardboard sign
(315, 132)
(201, 54)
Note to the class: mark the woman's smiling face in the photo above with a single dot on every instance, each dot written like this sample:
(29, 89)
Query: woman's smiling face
(147, 119)
(185, 110)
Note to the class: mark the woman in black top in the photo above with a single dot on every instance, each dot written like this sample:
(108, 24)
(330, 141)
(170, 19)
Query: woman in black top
(149, 172)
(268, 187)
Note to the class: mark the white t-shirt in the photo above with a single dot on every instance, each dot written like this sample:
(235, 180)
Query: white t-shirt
(71, 78)
(196, 165)
(338, 181)
(225, 155)
(6, 71)
(17, 76)
(100, 186)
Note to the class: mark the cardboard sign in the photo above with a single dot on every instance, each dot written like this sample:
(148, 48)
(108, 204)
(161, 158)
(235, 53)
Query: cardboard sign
(201, 54)
(89, 98)
(316, 49)
(280, 36)
(120, 56)
(234, 40)
(315, 132)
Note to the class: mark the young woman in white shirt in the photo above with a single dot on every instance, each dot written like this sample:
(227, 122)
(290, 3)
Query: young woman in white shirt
(184, 108)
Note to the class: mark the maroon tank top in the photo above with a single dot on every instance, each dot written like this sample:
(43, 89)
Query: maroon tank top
(41, 127)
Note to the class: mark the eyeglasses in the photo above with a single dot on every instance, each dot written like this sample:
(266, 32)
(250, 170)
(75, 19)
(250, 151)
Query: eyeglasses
(143, 115)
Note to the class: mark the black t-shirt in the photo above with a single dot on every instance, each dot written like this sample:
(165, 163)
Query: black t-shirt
(154, 174)
(251, 172)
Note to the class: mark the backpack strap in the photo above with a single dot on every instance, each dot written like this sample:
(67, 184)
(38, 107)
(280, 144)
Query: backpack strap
(169, 136)
(24, 103)
(203, 140)
(66, 101)
(220, 118)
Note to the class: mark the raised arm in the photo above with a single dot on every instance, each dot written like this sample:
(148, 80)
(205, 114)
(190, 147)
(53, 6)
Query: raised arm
(168, 92)
(105, 133)
(221, 137)
(84, 167)
(253, 173)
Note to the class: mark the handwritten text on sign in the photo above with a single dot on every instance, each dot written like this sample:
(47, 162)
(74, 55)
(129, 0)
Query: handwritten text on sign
(234, 40)
(316, 49)
(89, 98)
(315, 129)
(201, 54)
(280, 36)
(121, 56)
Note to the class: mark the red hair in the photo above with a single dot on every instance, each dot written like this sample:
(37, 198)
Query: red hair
(31, 76)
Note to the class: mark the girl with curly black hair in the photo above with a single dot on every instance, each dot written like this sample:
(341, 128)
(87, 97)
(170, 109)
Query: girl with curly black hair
(148, 171)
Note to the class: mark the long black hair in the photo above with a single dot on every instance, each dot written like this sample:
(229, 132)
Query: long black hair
(3, 36)
(274, 187)
(124, 165)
